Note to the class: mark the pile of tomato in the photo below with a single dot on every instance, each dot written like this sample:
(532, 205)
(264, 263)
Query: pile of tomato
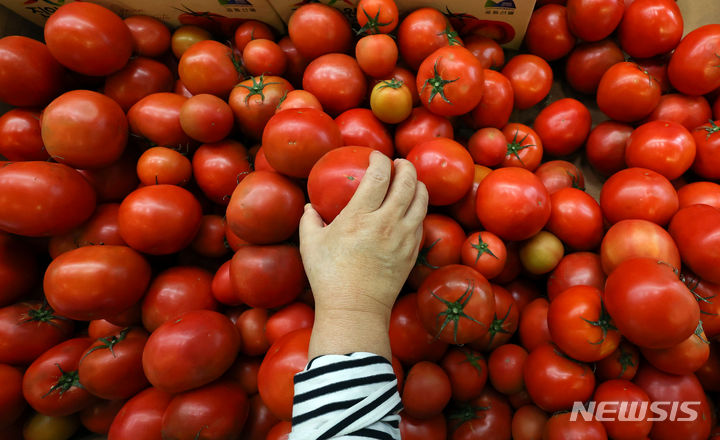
(151, 285)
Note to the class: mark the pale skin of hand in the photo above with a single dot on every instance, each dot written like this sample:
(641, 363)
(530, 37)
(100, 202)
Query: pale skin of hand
(357, 264)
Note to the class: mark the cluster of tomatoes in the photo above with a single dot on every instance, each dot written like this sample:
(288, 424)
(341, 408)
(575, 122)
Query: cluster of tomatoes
(155, 180)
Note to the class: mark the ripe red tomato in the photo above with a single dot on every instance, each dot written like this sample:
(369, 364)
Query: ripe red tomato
(376, 55)
(420, 126)
(589, 61)
(650, 27)
(421, 33)
(318, 29)
(528, 423)
(692, 69)
(162, 165)
(506, 368)
(29, 329)
(684, 358)
(533, 326)
(156, 117)
(208, 67)
(638, 193)
(377, 16)
(20, 137)
(359, 126)
(409, 340)
(593, 20)
(488, 146)
(627, 93)
(445, 167)
(337, 82)
(206, 118)
(88, 39)
(292, 317)
(456, 304)
(259, 421)
(688, 111)
(115, 182)
(93, 282)
(605, 146)
(496, 104)
(29, 75)
(548, 35)
(705, 193)
(210, 239)
(513, 203)
(263, 57)
(576, 269)
(251, 325)
(531, 78)
(467, 371)
(140, 77)
(524, 147)
(488, 416)
(560, 427)
(12, 403)
(486, 50)
(559, 174)
(150, 36)
(485, 252)
(621, 364)
(505, 321)
(696, 231)
(219, 168)
(250, 30)
(445, 78)
(190, 351)
(18, 269)
(634, 238)
(99, 416)
(707, 143)
(420, 429)
(576, 219)
(663, 146)
(426, 391)
(141, 417)
(255, 100)
(563, 126)
(649, 304)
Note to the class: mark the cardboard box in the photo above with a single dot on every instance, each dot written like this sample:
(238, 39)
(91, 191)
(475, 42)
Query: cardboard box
(217, 14)
(502, 20)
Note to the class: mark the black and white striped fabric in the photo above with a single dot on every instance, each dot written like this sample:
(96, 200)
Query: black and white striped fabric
(348, 397)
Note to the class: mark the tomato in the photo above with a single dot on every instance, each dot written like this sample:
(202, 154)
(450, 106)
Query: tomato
(684, 358)
(688, 111)
(548, 35)
(190, 351)
(528, 423)
(18, 269)
(505, 321)
(636, 238)
(88, 39)
(662, 146)
(29, 329)
(638, 193)
(185, 36)
(141, 417)
(96, 281)
(159, 219)
(443, 244)
(486, 50)
(221, 287)
(541, 253)
(463, 210)
(707, 143)
(485, 252)
(496, 104)
(400, 74)
(467, 371)
(377, 16)
(219, 168)
(206, 118)
(208, 67)
(337, 81)
(705, 193)
(421, 33)
(445, 167)
(318, 29)
(524, 147)
(605, 146)
(259, 421)
(707, 374)
(650, 306)
(20, 137)
(263, 57)
(531, 78)
(420, 429)
(30, 76)
(391, 101)
(533, 325)
(593, 20)
(445, 78)
(589, 61)
(426, 391)
(285, 358)
(99, 328)
(559, 174)
(98, 417)
(113, 183)
(621, 364)
(156, 117)
(650, 27)
(162, 165)
(576, 269)
(251, 30)
(488, 146)
(267, 276)
(547, 371)
(376, 55)
(420, 126)
(506, 368)
(296, 63)
(665, 387)
(576, 219)
(218, 410)
(359, 126)
(586, 427)
(461, 298)
(210, 239)
(563, 126)
(251, 325)
(255, 100)
(50, 383)
(140, 77)
(295, 139)
(513, 203)
(409, 340)
(695, 230)
(486, 417)
(42, 427)
(627, 93)
(292, 317)
(298, 99)
(150, 36)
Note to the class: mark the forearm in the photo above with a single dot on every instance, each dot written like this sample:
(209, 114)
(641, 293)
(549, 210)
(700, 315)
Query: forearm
(348, 331)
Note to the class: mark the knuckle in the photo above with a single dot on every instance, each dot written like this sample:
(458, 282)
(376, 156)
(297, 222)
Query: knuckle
(376, 176)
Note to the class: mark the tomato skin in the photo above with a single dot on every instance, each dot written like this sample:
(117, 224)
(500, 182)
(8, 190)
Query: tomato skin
(486, 50)
(513, 203)
(293, 140)
(88, 39)
(140, 77)
(219, 168)
(467, 371)
(206, 118)
(292, 317)
(20, 137)
(563, 126)
(150, 36)
(528, 423)
(359, 126)
(634, 238)
(391, 101)
(576, 219)
(337, 82)
(97, 281)
(688, 111)
(29, 329)
(496, 104)
(97, 418)
(409, 340)
(559, 427)
(421, 33)
(376, 55)
(524, 147)
(626, 93)
(318, 29)
(426, 391)
(250, 30)
(445, 167)
(285, 358)
(255, 100)
(443, 245)
(420, 126)
(484, 252)
(18, 269)
(207, 67)
(191, 351)
(141, 417)
(506, 368)
(705, 193)
(210, 239)
(463, 211)
(576, 269)
(163, 165)
(533, 326)
(113, 183)
(605, 146)
(663, 146)
(707, 143)
(589, 61)
(593, 20)
(650, 27)
(12, 403)
(491, 418)
(650, 306)
(684, 358)
(505, 321)
(695, 231)
(30, 75)
(251, 325)
(157, 118)
(45, 372)
(560, 174)
(382, 16)
(263, 57)
(420, 429)
(548, 35)
(531, 78)
(267, 276)
(638, 193)
(621, 364)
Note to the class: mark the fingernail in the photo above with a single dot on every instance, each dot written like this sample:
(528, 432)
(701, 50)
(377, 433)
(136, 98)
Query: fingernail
(307, 207)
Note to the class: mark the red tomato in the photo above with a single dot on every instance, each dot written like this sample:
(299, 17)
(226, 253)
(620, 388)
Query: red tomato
(30, 76)
(96, 281)
(524, 147)
(533, 326)
(159, 219)
(563, 126)
(589, 61)
(528, 423)
(206, 118)
(426, 391)
(421, 429)
(285, 358)
(688, 111)
(20, 137)
(288, 319)
(464, 210)
(210, 239)
(337, 82)
(638, 193)
(140, 77)
(650, 27)
(318, 29)
(531, 78)
(547, 370)
(255, 100)
(420, 126)
(586, 427)
(548, 35)
(98, 417)
(156, 117)
(445, 167)
(209, 67)
(298, 99)
(409, 340)
(506, 368)
(456, 304)
(559, 174)
(635, 238)
(88, 39)
(627, 93)
(12, 403)
(249, 31)
(467, 371)
(150, 36)
(445, 78)
(163, 165)
(593, 20)
(488, 417)
(696, 231)
(605, 146)
(485, 252)
(18, 269)
(488, 146)
(115, 182)
(377, 16)
(707, 143)
(576, 269)
(486, 50)
(705, 193)
(259, 421)
(576, 219)
(621, 364)
(650, 306)
(513, 203)
(296, 63)
(684, 358)
(29, 329)
(443, 243)
(496, 104)
(692, 69)
(264, 57)
(251, 325)
(505, 321)
(141, 417)
(359, 126)
(221, 287)
(219, 168)
(376, 55)
(662, 146)
(421, 33)
(190, 351)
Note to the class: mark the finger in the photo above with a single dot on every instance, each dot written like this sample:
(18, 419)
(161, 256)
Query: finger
(310, 222)
(373, 186)
(402, 188)
(418, 207)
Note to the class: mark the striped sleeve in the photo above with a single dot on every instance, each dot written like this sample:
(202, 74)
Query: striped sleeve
(350, 397)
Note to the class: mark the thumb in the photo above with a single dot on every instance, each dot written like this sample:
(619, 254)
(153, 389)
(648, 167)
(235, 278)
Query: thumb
(310, 221)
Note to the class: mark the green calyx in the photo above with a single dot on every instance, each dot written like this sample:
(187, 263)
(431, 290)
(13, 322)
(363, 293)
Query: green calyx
(625, 360)
(465, 413)
(455, 310)
(257, 87)
(109, 342)
(482, 248)
(712, 129)
(496, 326)
(67, 380)
(604, 322)
(473, 359)
(437, 84)
(373, 24)
(515, 146)
(452, 36)
(391, 83)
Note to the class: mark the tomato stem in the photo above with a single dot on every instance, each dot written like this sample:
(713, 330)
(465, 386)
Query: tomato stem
(373, 24)
(66, 381)
(455, 310)
(256, 88)
(109, 342)
(514, 147)
(604, 321)
(438, 84)
(482, 248)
